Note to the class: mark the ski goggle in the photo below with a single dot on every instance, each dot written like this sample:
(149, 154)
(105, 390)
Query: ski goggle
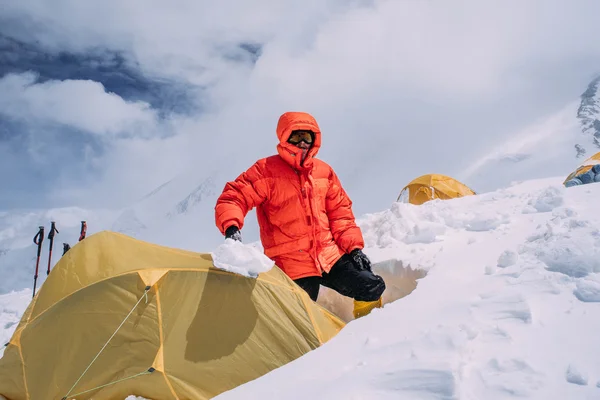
(301, 136)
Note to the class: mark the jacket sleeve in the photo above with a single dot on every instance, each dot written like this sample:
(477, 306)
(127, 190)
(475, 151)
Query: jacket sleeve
(343, 226)
(249, 190)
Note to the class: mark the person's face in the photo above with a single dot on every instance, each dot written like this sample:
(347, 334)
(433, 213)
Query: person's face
(301, 139)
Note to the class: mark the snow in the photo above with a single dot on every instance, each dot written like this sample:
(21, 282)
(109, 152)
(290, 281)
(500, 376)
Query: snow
(588, 291)
(12, 306)
(573, 375)
(548, 200)
(178, 213)
(544, 148)
(506, 310)
(505, 305)
(507, 259)
(240, 258)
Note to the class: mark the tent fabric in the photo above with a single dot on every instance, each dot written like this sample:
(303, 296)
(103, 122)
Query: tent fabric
(584, 168)
(196, 331)
(433, 186)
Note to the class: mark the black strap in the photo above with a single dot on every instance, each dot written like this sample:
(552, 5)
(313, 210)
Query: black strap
(39, 237)
(53, 230)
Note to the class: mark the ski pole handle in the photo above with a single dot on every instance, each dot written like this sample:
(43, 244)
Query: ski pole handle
(37, 239)
(53, 231)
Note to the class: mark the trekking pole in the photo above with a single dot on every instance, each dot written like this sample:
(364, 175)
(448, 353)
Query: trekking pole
(53, 231)
(66, 247)
(38, 239)
(83, 230)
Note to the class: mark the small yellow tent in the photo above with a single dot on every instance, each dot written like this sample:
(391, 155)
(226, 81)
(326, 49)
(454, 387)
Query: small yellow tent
(433, 186)
(584, 167)
(118, 316)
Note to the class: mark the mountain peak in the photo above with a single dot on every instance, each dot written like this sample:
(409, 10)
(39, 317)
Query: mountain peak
(589, 111)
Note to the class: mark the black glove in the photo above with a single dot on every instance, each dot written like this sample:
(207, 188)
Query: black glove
(361, 260)
(233, 232)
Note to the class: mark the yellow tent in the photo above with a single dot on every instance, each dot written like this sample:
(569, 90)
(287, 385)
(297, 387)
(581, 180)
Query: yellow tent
(584, 167)
(433, 186)
(118, 316)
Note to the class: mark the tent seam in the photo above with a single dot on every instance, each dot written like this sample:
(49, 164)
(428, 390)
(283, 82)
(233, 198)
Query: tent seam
(23, 366)
(162, 344)
(78, 290)
(318, 334)
(27, 395)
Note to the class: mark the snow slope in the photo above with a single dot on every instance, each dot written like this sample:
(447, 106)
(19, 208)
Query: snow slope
(509, 307)
(178, 213)
(18, 252)
(552, 146)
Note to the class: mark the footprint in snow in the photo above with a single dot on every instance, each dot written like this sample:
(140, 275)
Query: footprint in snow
(514, 376)
(508, 307)
(438, 384)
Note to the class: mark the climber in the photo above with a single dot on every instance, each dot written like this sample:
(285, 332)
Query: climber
(306, 222)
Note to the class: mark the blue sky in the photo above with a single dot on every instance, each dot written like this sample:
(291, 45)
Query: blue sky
(101, 101)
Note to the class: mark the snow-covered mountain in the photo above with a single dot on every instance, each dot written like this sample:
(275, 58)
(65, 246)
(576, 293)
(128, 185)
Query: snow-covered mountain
(588, 114)
(177, 213)
(553, 146)
(18, 253)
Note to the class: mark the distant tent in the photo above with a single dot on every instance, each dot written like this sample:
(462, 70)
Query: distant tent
(584, 174)
(433, 186)
(189, 330)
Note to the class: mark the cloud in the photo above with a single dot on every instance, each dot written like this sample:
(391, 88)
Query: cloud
(82, 105)
(399, 88)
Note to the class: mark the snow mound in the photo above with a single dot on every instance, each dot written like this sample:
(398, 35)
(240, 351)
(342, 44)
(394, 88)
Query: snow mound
(507, 307)
(588, 291)
(548, 200)
(574, 376)
(507, 259)
(240, 258)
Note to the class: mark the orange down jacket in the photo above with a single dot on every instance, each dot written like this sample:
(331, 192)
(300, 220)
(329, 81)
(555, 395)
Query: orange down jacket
(305, 216)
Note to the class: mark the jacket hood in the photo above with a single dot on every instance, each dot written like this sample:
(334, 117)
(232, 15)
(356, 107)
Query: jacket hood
(291, 121)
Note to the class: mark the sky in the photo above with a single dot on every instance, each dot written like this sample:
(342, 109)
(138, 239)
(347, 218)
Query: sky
(103, 101)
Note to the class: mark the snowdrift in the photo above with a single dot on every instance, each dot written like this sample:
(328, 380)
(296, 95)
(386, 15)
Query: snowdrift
(509, 306)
